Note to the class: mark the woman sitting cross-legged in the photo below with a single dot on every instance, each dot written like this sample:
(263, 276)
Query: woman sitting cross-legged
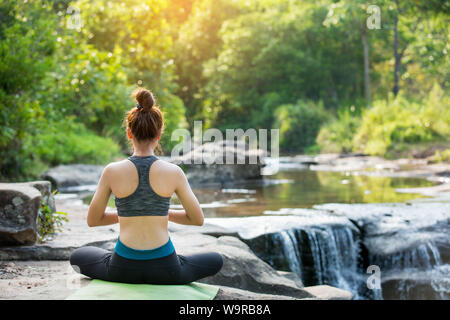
(142, 186)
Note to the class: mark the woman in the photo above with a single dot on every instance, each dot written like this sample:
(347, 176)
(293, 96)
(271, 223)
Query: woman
(143, 186)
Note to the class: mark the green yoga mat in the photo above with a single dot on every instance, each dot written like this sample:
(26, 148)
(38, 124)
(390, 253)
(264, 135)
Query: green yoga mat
(105, 290)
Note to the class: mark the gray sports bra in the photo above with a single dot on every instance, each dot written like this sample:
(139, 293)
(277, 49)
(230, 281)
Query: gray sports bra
(143, 201)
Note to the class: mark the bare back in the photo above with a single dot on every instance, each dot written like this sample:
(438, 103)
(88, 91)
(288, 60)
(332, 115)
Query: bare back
(143, 232)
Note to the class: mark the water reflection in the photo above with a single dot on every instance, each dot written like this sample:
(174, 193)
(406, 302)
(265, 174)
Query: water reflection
(307, 188)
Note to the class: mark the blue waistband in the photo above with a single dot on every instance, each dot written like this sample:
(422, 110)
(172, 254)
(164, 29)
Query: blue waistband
(135, 254)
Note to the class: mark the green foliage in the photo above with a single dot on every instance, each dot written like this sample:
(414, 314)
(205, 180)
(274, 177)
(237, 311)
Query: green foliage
(231, 63)
(140, 48)
(90, 85)
(401, 121)
(49, 222)
(138, 31)
(337, 135)
(67, 141)
(299, 124)
(441, 156)
(174, 118)
(280, 49)
(27, 42)
(198, 42)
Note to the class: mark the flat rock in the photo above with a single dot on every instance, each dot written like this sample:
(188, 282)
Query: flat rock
(230, 293)
(252, 227)
(325, 292)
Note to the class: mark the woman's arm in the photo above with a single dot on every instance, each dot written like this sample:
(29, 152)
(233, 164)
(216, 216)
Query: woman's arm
(179, 216)
(96, 213)
(192, 213)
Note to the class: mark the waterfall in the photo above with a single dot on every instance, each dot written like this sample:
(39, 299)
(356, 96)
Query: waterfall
(411, 257)
(324, 255)
(424, 257)
(291, 251)
(441, 281)
(418, 273)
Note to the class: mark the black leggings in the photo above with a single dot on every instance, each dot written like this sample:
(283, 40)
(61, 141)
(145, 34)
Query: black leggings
(98, 263)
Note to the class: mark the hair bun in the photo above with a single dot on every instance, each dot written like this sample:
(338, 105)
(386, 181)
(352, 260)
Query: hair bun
(144, 98)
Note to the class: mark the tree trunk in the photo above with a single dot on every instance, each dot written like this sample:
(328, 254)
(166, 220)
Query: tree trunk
(366, 65)
(397, 54)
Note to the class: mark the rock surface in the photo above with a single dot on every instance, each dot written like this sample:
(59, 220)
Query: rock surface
(223, 163)
(324, 292)
(432, 284)
(68, 177)
(230, 293)
(56, 280)
(247, 275)
(19, 207)
(409, 242)
(242, 268)
(391, 228)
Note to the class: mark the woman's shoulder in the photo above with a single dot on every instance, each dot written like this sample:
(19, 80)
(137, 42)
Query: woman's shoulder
(116, 166)
(168, 174)
(160, 166)
(167, 167)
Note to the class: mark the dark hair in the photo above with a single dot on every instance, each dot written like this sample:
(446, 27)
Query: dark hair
(145, 120)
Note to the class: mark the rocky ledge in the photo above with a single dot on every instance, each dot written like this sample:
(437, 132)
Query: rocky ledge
(370, 165)
(243, 276)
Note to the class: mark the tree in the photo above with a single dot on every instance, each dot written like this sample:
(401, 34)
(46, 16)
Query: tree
(408, 16)
(27, 43)
(354, 15)
(198, 42)
(139, 34)
(278, 55)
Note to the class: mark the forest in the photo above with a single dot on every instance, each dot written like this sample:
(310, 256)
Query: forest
(333, 76)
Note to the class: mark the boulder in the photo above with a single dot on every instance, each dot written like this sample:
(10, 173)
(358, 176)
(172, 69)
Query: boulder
(239, 266)
(74, 176)
(45, 188)
(319, 247)
(19, 208)
(18, 213)
(223, 163)
(74, 234)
